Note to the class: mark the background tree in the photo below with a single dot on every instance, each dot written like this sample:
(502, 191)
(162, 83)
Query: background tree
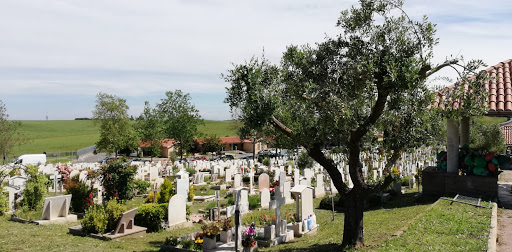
(212, 144)
(180, 119)
(149, 129)
(488, 137)
(369, 79)
(116, 132)
(10, 136)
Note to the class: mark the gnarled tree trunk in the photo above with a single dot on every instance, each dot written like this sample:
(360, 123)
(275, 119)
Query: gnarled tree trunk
(353, 223)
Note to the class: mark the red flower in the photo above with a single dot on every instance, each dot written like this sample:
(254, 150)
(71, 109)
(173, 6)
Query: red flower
(90, 195)
(115, 195)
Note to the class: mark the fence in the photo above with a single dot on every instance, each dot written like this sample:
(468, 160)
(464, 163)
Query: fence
(59, 155)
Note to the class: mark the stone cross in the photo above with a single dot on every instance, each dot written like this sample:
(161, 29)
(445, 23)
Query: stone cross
(56, 178)
(155, 190)
(280, 201)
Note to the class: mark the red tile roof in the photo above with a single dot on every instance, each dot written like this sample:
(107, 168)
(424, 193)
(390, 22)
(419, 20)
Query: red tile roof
(499, 88)
(166, 143)
(234, 140)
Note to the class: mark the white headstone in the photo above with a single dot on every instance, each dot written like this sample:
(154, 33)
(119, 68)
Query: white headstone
(265, 198)
(177, 209)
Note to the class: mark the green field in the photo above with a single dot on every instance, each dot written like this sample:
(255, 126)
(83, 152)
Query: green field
(55, 136)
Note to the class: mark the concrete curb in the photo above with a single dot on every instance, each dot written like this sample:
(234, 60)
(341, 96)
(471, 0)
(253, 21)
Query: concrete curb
(493, 234)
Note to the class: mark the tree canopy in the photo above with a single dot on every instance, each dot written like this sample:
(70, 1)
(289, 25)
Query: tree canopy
(116, 132)
(149, 129)
(369, 79)
(10, 136)
(180, 119)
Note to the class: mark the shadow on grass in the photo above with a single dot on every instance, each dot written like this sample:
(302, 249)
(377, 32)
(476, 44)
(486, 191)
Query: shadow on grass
(396, 201)
(315, 247)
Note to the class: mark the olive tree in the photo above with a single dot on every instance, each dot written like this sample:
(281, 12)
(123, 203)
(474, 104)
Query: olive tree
(369, 79)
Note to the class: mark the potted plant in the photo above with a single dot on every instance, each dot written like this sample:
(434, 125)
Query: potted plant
(226, 234)
(249, 239)
(210, 230)
(297, 224)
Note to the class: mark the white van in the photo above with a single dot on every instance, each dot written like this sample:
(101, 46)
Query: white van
(32, 159)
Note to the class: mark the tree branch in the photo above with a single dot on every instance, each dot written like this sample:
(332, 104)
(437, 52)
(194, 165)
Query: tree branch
(281, 127)
(388, 179)
(439, 67)
(331, 168)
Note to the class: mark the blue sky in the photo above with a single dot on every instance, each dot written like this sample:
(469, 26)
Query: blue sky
(57, 55)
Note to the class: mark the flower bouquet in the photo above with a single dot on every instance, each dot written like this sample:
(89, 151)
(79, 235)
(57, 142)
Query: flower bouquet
(249, 239)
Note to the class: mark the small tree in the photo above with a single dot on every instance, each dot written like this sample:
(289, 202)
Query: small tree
(304, 161)
(166, 192)
(487, 137)
(116, 132)
(180, 119)
(10, 136)
(212, 144)
(36, 188)
(149, 129)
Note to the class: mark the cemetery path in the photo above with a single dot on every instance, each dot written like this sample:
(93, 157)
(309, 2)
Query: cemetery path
(504, 242)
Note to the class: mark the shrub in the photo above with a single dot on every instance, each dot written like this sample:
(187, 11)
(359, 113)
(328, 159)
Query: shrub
(191, 193)
(95, 221)
(4, 204)
(150, 216)
(172, 241)
(254, 201)
(266, 161)
(188, 212)
(166, 192)
(117, 180)
(82, 196)
(151, 196)
(141, 186)
(113, 211)
(165, 209)
(192, 171)
(36, 188)
(187, 243)
(326, 203)
(405, 181)
(304, 161)
(246, 179)
(231, 200)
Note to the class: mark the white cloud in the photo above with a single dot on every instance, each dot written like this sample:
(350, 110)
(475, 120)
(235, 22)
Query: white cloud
(137, 48)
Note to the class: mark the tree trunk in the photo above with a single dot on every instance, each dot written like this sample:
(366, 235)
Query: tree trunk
(353, 226)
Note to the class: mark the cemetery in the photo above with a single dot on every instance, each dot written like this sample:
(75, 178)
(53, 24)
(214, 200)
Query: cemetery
(360, 159)
(194, 205)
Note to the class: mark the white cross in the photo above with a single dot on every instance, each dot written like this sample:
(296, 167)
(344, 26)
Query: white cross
(280, 201)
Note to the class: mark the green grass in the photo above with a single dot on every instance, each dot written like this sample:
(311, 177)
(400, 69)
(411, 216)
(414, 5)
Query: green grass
(54, 136)
(489, 120)
(446, 227)
(219, 128)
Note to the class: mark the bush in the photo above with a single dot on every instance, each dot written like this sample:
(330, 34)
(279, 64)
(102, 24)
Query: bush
(304, 161)
(141, 186)
(151, 196)
(94, 221)
(326, 203)
(266, 162)
(192, 171)
(113, 211)
(4, 204)
(191, 193)
(246, 179)
(150, 216)
(36, 188)
(231, 200)
(166, 192)
(82, 196)
(165, 208)
(117, 180)
(405, 181)
(254, 201)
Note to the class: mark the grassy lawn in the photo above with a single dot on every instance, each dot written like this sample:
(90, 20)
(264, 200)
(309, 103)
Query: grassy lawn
(446, 227)
(54, 136)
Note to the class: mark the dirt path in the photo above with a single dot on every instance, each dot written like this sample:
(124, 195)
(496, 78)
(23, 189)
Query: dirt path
(504, 242)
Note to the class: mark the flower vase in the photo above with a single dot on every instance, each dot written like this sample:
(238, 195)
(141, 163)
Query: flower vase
(225, 236)
(297, 229)
(209, 243)
(251, 248)
(269, 232)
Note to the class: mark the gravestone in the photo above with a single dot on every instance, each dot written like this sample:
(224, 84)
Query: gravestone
(287, 195)
(319, 189)
(263, 182)
(265, 198)
(237, 181)
(56, 210)
(303, 200)
(182, 187)
(177, 210)
(296, 177)
(199, 178)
